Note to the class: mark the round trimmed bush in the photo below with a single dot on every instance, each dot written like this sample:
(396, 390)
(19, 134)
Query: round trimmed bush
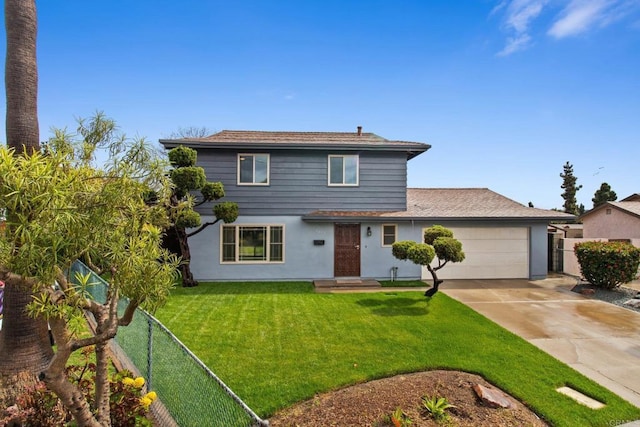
(608, 264)
(400, 249)
(421, 254)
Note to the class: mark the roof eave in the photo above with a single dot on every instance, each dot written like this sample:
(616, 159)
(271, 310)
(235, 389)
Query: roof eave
(389, 218)
(411, 150)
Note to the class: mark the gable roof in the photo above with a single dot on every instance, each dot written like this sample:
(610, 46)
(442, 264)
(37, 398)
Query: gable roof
(631, 208)
(454, 204)
(299, 140)
(635, 197)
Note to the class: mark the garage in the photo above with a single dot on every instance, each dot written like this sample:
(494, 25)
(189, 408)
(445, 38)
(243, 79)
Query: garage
(491, 253)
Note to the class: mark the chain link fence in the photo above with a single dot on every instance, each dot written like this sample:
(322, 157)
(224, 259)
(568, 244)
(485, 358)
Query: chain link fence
(189, 394)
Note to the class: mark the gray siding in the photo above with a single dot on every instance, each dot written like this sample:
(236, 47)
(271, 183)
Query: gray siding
(298, 183)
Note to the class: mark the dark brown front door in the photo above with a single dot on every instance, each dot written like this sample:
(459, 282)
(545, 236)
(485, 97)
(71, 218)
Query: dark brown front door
(347, 250)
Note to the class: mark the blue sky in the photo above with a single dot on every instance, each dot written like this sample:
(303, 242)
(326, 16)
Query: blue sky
(505, 91)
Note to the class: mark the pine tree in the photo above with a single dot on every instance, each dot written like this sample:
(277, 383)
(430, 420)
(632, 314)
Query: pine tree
(570, 189)
(604, 194)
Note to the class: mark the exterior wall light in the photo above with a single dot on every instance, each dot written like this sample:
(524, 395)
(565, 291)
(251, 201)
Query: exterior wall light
(368, 231)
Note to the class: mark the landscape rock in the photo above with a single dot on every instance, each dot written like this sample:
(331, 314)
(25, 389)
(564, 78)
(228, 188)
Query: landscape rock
(635, 303)
(491, 397)
(588, 292)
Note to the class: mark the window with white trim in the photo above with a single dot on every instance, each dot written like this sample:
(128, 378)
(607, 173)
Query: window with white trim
(343, 170)
(253, 169)
(252, 243)
(389, 234)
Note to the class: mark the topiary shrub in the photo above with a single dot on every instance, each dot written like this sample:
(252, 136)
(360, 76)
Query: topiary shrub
(608, 264)
(400, 249)
(182, 156)
(421, 253)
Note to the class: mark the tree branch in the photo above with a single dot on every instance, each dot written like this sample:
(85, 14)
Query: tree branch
(127, 317)
(202, 227)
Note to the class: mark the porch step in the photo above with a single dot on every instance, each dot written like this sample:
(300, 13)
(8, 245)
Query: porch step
(345, 284)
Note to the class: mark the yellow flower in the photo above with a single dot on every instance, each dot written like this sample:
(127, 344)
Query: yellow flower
(138, 382)
(151, 395)
(145, 401)
(128, 381)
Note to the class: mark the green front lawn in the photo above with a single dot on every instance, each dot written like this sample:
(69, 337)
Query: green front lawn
(278, 343)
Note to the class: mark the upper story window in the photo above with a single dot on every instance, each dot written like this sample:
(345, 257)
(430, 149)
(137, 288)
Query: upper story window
(343, 170)
(389, 234)
(253, 169)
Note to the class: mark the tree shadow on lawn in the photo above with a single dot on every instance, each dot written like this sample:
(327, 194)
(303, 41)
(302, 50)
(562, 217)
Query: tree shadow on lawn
(396, 306)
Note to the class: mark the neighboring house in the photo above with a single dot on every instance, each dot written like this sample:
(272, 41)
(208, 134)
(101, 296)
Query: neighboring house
(569, 231)
(319, 205)
(614, 220)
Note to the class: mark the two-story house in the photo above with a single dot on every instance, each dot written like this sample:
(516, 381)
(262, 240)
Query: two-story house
(321, 205)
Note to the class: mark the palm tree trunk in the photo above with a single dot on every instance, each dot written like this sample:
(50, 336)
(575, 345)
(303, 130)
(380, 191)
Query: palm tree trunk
(25, 350)
(21, 75)
(24, 342)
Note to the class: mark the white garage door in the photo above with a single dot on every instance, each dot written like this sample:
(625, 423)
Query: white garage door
(491, 253)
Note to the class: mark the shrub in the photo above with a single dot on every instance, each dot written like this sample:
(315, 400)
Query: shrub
(448, 248)
(434, 232)
(39, 406)
(188, 219)
(437, 407)
(421, 254)
(182, 156)
(188, 177)
(401, 248)
(608, 264)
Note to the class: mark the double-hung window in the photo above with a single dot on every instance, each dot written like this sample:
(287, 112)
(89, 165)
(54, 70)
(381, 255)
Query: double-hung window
(253, 169)
(343, 170)
(252, 243)
(389, 234)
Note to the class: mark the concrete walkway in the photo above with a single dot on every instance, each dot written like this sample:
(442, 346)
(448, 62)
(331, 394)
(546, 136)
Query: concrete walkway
(598, 339)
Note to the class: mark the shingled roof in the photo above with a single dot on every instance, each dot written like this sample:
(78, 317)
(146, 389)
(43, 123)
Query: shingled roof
(454, 204)
(306, 140)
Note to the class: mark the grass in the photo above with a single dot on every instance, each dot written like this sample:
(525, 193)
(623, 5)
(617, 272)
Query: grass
(278, 343)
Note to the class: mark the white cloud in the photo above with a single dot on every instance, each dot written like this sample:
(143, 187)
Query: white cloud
(579, 16)
(574, 17)
(519, 14)
(515, 44)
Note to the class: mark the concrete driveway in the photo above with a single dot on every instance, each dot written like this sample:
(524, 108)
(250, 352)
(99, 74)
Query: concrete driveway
(598, 339)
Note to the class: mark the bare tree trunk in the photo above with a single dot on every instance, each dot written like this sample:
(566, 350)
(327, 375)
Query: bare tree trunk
(177, 242)
(103, 392)
(436, 282)
(185, 266)
(56, 379)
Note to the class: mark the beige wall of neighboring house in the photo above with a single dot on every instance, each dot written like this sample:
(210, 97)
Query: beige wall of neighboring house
(611, 223)
(569, 259)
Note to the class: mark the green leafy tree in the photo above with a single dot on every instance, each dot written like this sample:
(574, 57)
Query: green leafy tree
(438, 243)
(61, 209)
(608, 264)
(570, 187)
(191, 189)
(603, 195)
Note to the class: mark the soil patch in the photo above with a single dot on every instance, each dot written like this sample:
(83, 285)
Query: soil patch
(370, 404)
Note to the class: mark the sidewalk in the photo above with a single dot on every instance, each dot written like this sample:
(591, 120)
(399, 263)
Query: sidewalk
(598, 339)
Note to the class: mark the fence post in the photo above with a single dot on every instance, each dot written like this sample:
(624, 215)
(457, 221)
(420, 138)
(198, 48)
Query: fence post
(149, 351)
